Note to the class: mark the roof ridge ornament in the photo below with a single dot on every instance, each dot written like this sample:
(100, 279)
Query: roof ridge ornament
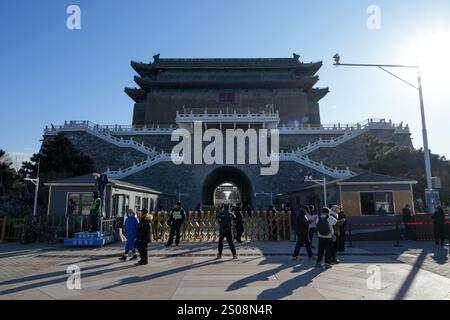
(296, 56)
(156, 58)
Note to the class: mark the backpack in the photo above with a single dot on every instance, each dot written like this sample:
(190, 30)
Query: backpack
(323, 227)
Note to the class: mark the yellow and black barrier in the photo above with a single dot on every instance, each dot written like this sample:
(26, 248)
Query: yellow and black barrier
(203, 226)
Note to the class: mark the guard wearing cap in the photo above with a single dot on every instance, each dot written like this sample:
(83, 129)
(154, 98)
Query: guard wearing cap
(176, 219)
(95, 212)
(143, 236)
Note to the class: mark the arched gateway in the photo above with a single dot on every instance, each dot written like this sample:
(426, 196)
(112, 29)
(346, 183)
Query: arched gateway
(229, 175)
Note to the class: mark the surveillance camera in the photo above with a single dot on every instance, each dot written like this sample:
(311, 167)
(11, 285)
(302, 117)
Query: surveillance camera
(337, 58)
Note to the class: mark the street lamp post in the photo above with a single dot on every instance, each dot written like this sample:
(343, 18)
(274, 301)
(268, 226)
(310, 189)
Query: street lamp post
(36, 189)
(422, 112)
(322, 182)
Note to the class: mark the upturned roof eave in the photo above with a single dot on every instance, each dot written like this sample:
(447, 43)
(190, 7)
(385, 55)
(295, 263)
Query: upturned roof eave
(307, 83)
(141, 67)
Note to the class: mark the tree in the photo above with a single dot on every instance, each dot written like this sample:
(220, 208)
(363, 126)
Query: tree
(58, 159)
(7, 174)
(406, 162)
(13, 193)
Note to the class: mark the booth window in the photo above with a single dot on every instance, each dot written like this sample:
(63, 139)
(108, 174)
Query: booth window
(78, 203)
(376, 203)
(120, 205)
(144, 203)
(152, 204)
(137, 204)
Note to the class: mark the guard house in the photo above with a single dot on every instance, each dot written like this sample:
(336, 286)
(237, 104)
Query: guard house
(73, 197)
(365, 194)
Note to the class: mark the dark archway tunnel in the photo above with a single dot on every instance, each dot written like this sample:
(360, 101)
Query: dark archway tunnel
(226, 174)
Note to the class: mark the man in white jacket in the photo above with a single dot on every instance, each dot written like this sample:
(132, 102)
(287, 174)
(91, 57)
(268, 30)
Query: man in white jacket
(325, 232)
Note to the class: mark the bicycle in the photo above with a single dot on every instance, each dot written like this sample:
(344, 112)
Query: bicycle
(35, 231)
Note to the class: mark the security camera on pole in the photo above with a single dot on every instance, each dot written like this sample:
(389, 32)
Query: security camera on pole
(322, 182)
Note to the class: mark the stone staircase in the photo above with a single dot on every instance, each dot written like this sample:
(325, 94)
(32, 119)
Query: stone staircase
(136, 167)
(318, 166)
(154, 157)
(103, 134)
(359, 129)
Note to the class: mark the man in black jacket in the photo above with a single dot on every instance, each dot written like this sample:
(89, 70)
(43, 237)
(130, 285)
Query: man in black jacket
(439, 226)
(143, 236)
(407, 218)
(301, 224)
(239, 222)
(225, 218)
(176, 219)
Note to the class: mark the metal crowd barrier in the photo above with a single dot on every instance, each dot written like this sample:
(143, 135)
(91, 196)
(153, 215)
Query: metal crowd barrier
(203, 226)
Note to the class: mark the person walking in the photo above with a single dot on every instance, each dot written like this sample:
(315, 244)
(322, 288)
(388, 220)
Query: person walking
(143, 236)
(342, 231)
(340, 220)
(439, 226)
(312, 228)
(325, 223)
(176, 220)
(407, 218)
(272, 221)
(301, 225)
(237, 211)
(288, 221)
(130, 229)
(225, 219)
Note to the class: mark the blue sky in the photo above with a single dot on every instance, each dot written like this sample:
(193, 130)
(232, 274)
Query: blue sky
(50, 74)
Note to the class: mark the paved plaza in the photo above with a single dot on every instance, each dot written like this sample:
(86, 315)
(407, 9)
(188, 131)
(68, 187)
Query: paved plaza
(264, 270)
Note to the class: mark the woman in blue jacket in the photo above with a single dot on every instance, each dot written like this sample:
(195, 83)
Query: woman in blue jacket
(130, 228)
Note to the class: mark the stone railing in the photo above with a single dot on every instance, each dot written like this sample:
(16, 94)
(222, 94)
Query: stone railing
(283, 156)
(103, 134)
(340, 128)
(136, 167)
(360, 128)
(116, 129)
(228, 117)
(318, 166)
(347, 132)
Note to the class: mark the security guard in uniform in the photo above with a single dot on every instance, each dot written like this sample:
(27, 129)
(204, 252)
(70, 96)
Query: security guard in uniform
(95, 212)
(176, 219)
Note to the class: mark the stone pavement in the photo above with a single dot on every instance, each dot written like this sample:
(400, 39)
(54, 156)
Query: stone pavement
(420, 254)
(264, 270)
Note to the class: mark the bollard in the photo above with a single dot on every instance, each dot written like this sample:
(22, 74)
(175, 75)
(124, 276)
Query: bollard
(350, 243)
(397, 231)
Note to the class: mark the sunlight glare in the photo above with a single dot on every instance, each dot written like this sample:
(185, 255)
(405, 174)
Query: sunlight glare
(432, 53)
